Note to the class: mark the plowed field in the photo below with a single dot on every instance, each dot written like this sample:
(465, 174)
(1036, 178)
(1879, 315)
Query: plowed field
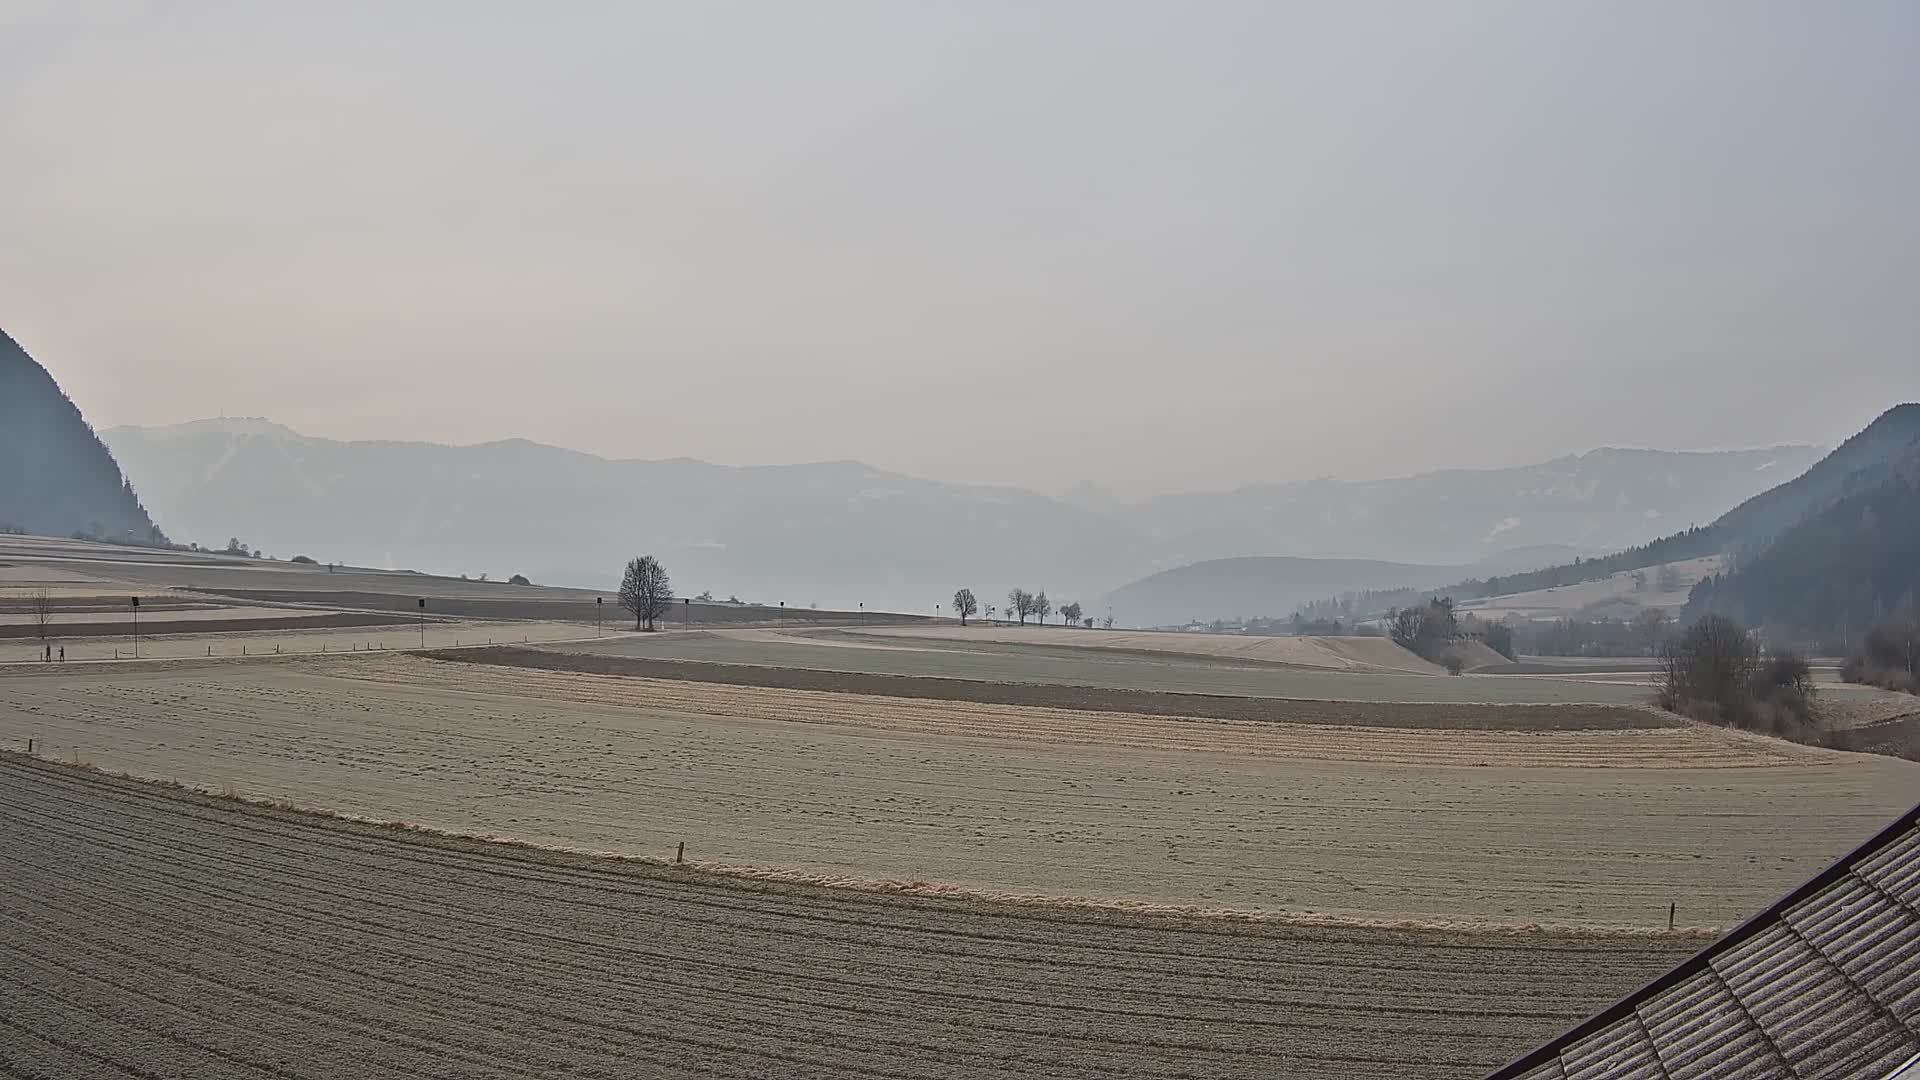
(1599, 827)
(155, 933)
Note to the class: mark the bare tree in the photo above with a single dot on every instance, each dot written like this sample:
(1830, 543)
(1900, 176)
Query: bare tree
(1711, 664)
(1070, 613)
(1020, 603)
(1650, 627)
(1042, 607)
(41, 605)
(646, 591)
(965, 605)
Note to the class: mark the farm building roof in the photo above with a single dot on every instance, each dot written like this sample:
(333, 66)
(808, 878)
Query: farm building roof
(1825, 983)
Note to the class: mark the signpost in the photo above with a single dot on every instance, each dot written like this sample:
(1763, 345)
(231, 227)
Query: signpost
(136, 626)
(423, 622)
(599, 603)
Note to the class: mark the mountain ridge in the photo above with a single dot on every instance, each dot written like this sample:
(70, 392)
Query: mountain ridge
(838, 532)
(56, 475)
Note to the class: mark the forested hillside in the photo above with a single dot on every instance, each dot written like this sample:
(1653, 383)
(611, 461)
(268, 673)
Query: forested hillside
(1857, 465)
(56, 477)
(1839, 571)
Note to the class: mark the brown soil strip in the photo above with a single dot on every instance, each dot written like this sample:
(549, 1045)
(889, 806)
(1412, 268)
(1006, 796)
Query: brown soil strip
(1474, 717)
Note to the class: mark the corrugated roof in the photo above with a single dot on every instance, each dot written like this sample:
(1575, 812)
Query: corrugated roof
(1825, 983)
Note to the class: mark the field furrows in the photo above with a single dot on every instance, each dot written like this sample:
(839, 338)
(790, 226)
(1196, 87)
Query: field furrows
(179, 936)
(1020, 802)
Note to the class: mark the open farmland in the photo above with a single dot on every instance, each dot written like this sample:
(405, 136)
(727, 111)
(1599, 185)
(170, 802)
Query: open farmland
(320, 948)
(1598, 826)
(1338, 653)
(1060, 663)
(1616, 596)
(318, 635)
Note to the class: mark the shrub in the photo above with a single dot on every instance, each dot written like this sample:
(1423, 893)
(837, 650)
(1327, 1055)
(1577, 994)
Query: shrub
(303, 559)
(1783, 672)
(518, 579)
(1889, 654)
(1712, 663)
(1714, 673)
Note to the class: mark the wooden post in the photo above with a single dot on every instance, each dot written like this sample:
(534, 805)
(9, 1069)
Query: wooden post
(681, 854)
(1671, 908)
(29, 747)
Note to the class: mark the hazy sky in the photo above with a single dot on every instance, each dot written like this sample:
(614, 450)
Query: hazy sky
(1155, 246)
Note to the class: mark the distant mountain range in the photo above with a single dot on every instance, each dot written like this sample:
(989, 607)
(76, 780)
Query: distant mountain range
(1816, 559)
(842, 533)
(1602, 500)
(56, 478)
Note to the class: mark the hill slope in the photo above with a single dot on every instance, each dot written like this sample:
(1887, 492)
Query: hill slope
(1857, 465)
(56, 477)
(1259, 587)
(1860, 463)
(1840, 569)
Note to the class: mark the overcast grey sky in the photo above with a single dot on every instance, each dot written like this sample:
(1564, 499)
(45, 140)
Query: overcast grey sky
(1155, 246)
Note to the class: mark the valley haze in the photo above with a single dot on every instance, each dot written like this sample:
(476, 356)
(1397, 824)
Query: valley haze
(844, 533)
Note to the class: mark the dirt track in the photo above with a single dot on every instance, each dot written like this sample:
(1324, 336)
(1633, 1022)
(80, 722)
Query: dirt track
(154, 933)
(208, 623)
(1579, 827)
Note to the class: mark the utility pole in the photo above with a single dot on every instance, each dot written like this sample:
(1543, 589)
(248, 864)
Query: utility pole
(136, 626)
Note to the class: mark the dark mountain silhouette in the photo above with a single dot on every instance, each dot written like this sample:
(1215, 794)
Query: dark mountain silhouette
(1841, 568)
(1860, 463)
(56, 476)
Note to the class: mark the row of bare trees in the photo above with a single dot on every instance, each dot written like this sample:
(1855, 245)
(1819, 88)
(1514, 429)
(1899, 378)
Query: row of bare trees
(1021, 605)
